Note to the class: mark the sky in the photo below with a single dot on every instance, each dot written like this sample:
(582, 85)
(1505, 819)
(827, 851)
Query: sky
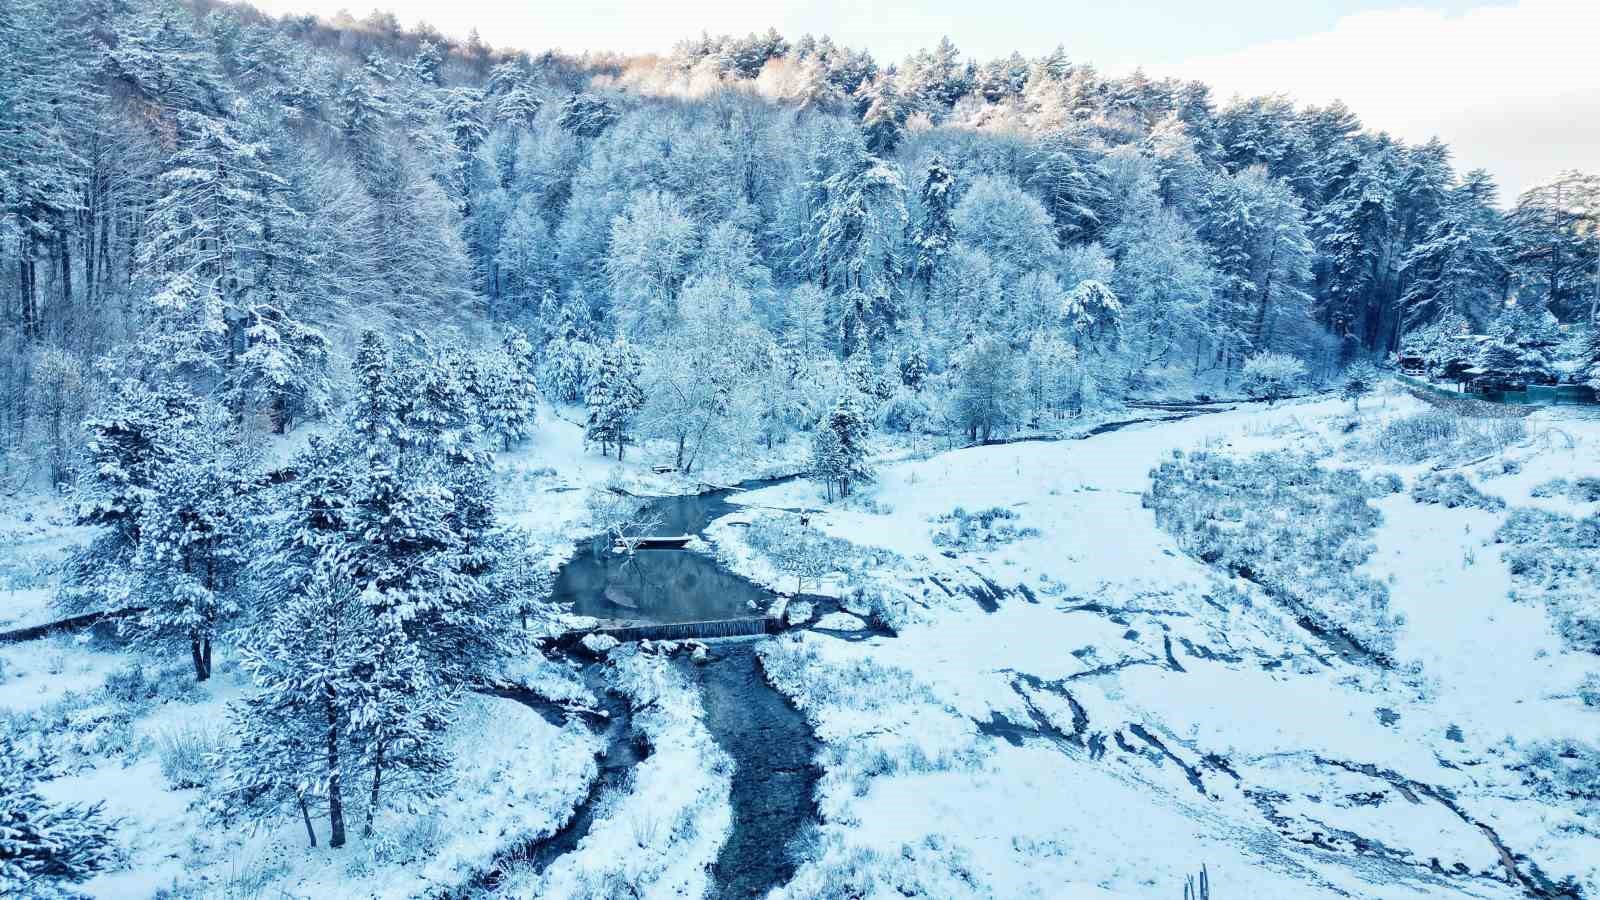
(1512, 85)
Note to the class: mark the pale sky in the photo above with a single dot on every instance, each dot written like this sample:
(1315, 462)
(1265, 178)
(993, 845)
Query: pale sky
(1512, 85)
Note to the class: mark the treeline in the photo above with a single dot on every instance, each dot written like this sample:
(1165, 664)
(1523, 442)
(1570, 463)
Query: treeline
(203, 195)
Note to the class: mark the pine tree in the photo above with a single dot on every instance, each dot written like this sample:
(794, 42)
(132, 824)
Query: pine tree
(1063, 173)
(614, 397)
(839, 451)
(295, 730)
(1360, 379)
(1458, 266)
(195, 539)
(44, 846)
(883, 116)
(587, 115)
(933, 233)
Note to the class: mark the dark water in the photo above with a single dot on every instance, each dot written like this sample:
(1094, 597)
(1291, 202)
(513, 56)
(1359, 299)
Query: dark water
(1543, 395)
(772, 747)
(662, 586)
(775, 778)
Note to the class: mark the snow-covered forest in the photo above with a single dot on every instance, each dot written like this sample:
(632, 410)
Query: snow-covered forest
(1087, 446)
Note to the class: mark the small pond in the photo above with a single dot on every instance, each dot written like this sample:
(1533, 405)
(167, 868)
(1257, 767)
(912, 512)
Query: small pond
(662, 586)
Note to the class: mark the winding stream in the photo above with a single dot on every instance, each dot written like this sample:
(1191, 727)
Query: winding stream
(772, 746)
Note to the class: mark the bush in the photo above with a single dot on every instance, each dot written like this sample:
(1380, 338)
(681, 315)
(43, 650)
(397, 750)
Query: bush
(1555, 487)
(1453, 491)
(1555, 560)
(1295, 528)
(1272, 376)
(1437, 434)
(185, 751)
(1589, 690)
(1585, 490)
(981, 530)
(134, 685)
(1563, 770)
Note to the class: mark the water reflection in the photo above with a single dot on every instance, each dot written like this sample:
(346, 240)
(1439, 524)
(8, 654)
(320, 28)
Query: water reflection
(660, 586)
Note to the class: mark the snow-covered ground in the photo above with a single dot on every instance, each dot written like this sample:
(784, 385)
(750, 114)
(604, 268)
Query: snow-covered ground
(1124, 726)
(1119, 719)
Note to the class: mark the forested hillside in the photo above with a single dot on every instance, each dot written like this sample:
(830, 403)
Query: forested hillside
(197, 194)
(408, 448)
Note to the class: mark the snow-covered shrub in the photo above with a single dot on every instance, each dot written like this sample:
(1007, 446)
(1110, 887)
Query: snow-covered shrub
(137, 686)
(1589, 689)
(1564, 770)
(185, 753)
(1386, 483)
(1297, 529)
(1584, 490)
(29, 571)
(409, 840)
(925, 868)
(1555, 560)
(984, 529)
(799, 551)
(1452, 491)
(1437, 434)
(1555, 487)
(1272, 376)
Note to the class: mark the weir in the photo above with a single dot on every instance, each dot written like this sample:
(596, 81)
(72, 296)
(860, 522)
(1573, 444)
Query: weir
(679, 631)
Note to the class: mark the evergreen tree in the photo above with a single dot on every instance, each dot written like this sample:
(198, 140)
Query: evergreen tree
(195, 539)
(840, 452)
(934, 232)
(44, 847)
(614, 397)
(1458, 266)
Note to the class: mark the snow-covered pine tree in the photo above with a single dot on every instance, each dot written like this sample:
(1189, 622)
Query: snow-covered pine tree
(614, 397)
(933, 233)
(587, 115)
(196, 532)
(505, 393)
(1459, 265)
(44, 847)
(840, 455)
(1360, 379)
(306, 660)
(129, 446)
(1093, 315)
(284, 367)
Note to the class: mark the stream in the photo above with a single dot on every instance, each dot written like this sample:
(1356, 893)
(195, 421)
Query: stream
(772, 746)
(661, 587)
(770, 742)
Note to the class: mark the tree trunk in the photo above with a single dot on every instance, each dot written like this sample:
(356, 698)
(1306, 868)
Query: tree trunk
(198, 658)
(205, 652)
(335, 801)
(377, 782)
(305, 815)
